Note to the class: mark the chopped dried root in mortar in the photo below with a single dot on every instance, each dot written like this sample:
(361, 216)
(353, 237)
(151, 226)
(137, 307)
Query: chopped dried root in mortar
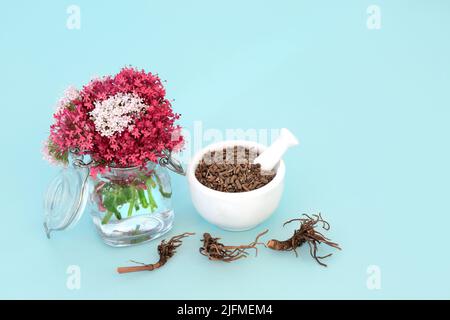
(232, 170)
(215, 250)
(306, 234)
(166, 251)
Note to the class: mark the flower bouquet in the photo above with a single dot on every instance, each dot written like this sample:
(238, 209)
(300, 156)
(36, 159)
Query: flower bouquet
(119, 127)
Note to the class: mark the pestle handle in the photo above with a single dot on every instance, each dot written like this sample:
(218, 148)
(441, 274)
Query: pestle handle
(273, 154)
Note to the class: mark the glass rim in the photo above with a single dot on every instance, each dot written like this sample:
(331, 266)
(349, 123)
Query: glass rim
(149, 163)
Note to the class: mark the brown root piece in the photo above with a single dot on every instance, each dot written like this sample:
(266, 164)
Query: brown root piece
(215, 250)
(166, 251)
(306, 234)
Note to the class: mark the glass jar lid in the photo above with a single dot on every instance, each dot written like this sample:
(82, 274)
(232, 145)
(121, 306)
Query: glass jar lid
(66, 199)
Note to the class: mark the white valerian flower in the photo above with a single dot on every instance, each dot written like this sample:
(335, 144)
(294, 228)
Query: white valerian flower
(70, 94)
(117, 113)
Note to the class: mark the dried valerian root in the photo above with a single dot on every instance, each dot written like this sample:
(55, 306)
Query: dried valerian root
(166, 251)
(215, 250)
(306, 234)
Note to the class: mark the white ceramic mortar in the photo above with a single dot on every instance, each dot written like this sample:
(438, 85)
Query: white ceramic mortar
(235, 211)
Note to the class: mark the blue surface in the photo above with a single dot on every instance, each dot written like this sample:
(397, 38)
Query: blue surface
(371, 108)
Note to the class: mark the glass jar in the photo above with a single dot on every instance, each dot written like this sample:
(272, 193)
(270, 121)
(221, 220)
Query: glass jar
(132, 205)
(128, 205)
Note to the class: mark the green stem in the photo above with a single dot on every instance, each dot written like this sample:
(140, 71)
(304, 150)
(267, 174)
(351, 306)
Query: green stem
(142, 198)
(111, 207)
(132, 202)
(117, 214)
(107, 217)
(152, 201)
(151, 182)
(167, 195)
(114, 209)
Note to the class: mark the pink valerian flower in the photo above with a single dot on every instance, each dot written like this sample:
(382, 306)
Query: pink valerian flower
(46, 154)
(141, 131)
(70, 94)
(94, 171)
(52, 155)
(178, 137)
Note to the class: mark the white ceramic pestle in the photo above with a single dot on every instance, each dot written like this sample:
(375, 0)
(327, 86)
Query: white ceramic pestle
(273, 154)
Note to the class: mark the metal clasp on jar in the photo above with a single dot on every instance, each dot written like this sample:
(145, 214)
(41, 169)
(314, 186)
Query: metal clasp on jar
(171, 163)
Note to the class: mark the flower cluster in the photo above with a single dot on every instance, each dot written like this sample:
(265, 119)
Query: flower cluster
(119, 121)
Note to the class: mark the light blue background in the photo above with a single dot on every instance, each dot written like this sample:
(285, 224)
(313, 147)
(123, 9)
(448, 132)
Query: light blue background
(371, 108)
